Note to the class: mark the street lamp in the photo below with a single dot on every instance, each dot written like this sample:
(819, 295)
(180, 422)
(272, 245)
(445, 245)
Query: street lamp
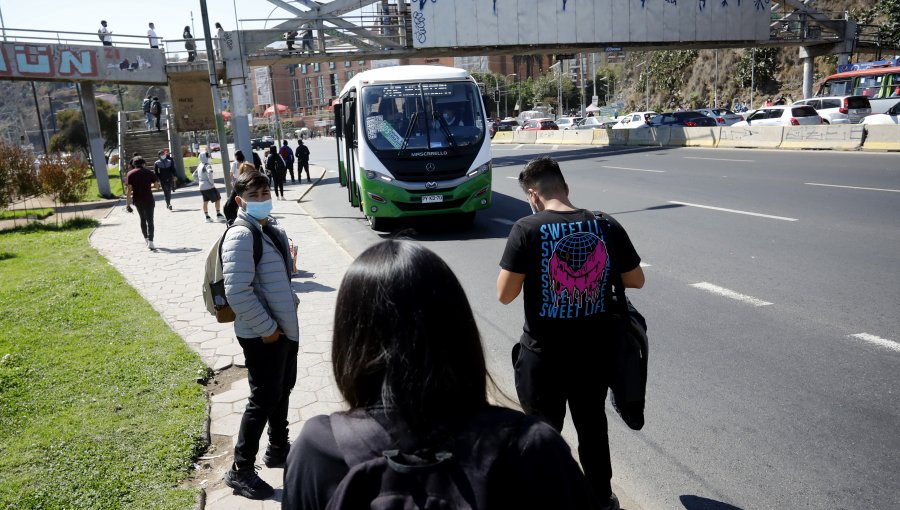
(506, 96)
(647, 86)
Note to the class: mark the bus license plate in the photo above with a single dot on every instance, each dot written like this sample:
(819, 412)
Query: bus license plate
(432, 199)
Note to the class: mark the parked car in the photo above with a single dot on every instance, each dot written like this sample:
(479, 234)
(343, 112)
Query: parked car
(635, 120)
(569, 122)
(539, 125)
(262, 143)
(723, 116)
(891, 116)
(590, 123)
(840, 109)
(507, 124)
(214, 147)
(790, 115)
(683, 119)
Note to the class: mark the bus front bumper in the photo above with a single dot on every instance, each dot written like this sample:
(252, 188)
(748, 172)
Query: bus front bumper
(383, 199)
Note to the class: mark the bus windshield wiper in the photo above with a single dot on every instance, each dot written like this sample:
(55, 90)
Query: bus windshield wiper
(409, 130)
(446, 130)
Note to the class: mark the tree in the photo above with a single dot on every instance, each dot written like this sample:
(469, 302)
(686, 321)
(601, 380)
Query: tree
(764, 72)
(64, 177)
(18, 177)
(71, 135)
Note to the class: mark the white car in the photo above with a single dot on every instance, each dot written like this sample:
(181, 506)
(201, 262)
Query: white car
(635, 120)
(892, 116)
(723, 116)
(568, 122)
(840, 109)
(792, 115)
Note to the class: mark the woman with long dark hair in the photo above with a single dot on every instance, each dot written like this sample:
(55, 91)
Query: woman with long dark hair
(408, 359)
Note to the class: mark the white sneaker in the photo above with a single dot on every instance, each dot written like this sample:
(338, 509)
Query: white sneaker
(150, 245)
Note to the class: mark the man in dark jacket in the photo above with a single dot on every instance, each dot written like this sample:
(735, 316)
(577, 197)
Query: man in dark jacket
(156, 110)
(302, 153)
(276, 168)
(566, 259)
(164, 168)
(139, 180)
(287, 155)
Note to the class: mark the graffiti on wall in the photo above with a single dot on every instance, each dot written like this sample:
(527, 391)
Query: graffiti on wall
(57, 62)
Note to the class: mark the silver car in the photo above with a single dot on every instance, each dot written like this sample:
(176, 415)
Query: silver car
(723, 116)
(793, 115)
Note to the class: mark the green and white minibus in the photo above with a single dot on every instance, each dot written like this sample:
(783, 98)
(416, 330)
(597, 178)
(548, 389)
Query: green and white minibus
(412, 141)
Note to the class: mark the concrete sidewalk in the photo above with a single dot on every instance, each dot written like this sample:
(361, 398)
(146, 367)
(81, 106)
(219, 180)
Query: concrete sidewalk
(170, 279)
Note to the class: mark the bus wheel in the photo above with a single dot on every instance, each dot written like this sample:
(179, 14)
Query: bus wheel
(378, 224)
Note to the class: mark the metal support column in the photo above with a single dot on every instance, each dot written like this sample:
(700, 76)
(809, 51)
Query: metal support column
(239, 122)
(175, 146)
(217, 101)
(808, 68)
(95, 138)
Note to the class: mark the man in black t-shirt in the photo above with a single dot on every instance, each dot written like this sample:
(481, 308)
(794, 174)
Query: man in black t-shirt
(567, 260)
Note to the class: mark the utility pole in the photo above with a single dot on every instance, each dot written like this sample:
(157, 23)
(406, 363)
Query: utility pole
(752, 74)
(52, 114)
(716, 89)
(594, 74)
(217, 101)
(582, 63)
(277, 130)
(37, 108)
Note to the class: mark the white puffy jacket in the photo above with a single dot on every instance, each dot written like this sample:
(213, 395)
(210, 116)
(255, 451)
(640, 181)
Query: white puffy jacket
(260, 296)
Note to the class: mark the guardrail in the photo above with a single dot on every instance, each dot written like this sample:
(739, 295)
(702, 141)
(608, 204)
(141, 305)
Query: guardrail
(25, 35)
(845, 137)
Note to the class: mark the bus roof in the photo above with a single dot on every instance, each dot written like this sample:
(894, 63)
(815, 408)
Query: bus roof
(864, 72)
(409, 73)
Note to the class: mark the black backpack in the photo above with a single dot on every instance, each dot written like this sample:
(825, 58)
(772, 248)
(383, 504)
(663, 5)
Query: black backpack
(452, 475)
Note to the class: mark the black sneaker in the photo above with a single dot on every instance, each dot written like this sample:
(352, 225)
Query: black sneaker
(275, 455)
(247, 483)
(613, 503)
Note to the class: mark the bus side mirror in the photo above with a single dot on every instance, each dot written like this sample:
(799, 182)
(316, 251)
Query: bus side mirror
(338, 122)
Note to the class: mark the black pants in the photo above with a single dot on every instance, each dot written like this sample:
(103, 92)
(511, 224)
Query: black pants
(166, 183)
(290, 169)
(279, 184)
(145, 214)
(272, 372)
(157, 122)
(545, 382)
(191, 55)
(303, 165)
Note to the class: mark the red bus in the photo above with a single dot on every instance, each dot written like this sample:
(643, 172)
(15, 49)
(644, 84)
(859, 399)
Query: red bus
(879, 81)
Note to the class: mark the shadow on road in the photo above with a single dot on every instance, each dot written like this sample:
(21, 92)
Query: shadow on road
(570, 155)
(697, 503)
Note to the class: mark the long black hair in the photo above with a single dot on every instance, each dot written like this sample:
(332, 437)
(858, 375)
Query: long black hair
(405, 337)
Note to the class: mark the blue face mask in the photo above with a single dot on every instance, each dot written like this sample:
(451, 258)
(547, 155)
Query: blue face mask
(259, 210)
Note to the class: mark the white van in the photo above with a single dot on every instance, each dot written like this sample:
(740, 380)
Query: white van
(840, 109)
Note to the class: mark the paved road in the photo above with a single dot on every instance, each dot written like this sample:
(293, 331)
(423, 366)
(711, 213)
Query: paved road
(772, 295)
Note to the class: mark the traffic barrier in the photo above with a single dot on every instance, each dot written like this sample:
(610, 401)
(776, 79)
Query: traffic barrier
(549, 137)
(882, 138)
(842, 137)
(677, 136)
(502, 137)
(600, 137)
(701, 136)
(648, 136)
(525, 136)
(579, 136)
(618, 136)
(763, 137)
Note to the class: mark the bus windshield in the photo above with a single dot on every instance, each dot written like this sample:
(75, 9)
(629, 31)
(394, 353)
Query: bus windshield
(414, 116)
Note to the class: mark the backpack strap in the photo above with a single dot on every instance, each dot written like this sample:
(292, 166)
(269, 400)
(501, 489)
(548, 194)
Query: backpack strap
(359, 437)
(257, 239)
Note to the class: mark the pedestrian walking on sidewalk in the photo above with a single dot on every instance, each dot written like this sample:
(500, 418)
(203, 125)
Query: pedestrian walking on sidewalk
(220, 36)
(204, 175)
(145, 106)
(302, 154)
(288, 156)
(156, 110)
(257, 162)
(105, 34)
(189, 44)
(290, 36)
(307, 44)
(567, 260)
(138, 181)
(236, 166)
(164, 168)
(408, 359)
(266, 327)
(276, 168)
(151, 35)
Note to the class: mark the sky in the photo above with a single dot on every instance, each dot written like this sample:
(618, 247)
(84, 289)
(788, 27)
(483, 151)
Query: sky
(132, 16)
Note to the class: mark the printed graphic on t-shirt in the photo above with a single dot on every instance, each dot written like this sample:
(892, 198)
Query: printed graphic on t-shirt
(574, 263)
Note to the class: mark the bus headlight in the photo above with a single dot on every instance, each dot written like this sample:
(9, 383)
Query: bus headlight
(483, 169)
(372, 175)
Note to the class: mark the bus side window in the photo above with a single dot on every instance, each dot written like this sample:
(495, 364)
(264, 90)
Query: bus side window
(350, 121)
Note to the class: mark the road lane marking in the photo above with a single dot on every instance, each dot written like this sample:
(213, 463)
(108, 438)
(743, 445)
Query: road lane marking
(852, 187)
(555, 147)
(634, 169)
(644, 264)
(722, 291)
(517, 147)
(722, 159)
(512, 177)
(877, 340)
(748, 213)
(504, 221)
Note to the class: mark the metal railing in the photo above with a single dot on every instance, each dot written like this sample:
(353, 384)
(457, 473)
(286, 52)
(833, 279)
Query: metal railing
(26, 35)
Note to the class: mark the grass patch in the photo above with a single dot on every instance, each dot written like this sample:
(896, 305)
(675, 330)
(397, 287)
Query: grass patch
(115, 186)
(31, 214)
(195, 161)
(99, 407)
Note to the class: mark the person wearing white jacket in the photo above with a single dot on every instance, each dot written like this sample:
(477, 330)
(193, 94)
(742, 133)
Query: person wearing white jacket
(266, 326)
(204, 175)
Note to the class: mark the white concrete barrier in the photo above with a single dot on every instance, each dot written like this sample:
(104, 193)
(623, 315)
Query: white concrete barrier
(579, 136)
(503, 137)
(677, 136)
(762, 137)
(882, 138)
(702, 136)
(648, 136)
(843, 137)
(616, 136)
(549, 137)
(524, 136)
